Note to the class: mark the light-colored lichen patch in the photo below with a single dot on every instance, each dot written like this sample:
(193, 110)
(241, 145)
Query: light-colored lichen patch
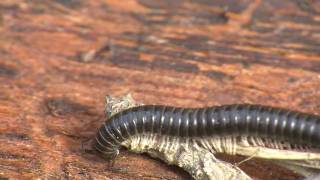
(114, 105)
(185, 153)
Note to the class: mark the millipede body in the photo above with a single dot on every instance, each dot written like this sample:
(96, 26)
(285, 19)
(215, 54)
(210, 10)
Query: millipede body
(280, 127)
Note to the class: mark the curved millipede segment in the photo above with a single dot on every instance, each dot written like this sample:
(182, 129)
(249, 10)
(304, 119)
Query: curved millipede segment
(239, 120)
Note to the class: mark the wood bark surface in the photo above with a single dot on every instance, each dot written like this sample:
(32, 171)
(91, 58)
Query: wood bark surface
(59, 58)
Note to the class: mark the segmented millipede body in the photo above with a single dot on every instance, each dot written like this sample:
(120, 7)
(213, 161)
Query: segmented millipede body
(220, 121)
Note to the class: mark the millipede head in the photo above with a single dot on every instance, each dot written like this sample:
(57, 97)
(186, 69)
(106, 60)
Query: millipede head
(104, 154)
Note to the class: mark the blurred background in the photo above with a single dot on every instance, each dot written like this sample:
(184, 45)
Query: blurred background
(59, 58)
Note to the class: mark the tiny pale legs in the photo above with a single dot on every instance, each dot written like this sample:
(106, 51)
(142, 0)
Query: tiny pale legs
(196, 155)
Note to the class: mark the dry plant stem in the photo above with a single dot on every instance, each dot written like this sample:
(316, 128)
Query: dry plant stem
(197, 161)
(303, 167)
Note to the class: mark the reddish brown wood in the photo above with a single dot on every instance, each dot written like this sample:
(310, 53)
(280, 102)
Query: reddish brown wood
(59, 58)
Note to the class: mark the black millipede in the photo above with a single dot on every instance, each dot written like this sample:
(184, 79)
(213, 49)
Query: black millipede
(235, 120)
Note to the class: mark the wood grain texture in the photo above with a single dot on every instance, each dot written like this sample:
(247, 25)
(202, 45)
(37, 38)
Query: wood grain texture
(59, 58)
